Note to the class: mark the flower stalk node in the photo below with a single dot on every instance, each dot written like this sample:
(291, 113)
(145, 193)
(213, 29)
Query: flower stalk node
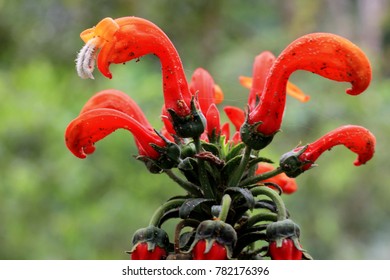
(191, 125)
(253, 138)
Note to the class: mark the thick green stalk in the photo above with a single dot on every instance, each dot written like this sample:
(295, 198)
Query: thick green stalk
(171, 204)
(261, 177)
(188, 186)
(261, 217)
(203, 178)
(236, 177)
(275, 197)
(225, 206)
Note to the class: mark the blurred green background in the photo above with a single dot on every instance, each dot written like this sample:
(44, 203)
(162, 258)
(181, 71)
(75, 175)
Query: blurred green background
(56, 206)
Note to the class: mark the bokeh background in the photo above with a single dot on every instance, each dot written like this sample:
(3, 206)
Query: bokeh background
(56, 206)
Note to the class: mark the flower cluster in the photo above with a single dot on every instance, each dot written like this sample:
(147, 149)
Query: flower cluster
(233, 194)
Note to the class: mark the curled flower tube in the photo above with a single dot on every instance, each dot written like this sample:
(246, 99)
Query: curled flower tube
(105, 112)
(129, 38)
(356, 138)
(89, 127)
(325, 54)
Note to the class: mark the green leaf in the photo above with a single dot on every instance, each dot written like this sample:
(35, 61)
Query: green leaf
(194, 206)
(256, 160)
(230, 167)
(209, 147)
(241, 198)
(235, 151)
(187, 164)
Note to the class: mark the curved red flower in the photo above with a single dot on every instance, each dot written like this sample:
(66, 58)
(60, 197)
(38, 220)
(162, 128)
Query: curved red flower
(129, 38)
(356, 138)
(325, 54)
(104, 113)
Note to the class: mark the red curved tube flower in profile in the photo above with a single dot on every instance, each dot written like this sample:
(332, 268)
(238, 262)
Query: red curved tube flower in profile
(356, 138)
(129, 38)
(325, 54)
(104, 113)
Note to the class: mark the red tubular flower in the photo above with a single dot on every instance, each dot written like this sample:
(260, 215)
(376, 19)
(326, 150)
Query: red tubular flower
(287, 251)
(288, 185)
(104, 113)
(328, 55)
(356, 138)
(129, 38)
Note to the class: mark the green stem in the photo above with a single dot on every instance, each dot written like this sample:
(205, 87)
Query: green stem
(203, 178)
(261, 217)
(188, 186)
(235, 179)
(275, 197)
(261, 177)
(171, 204)
(225, 206)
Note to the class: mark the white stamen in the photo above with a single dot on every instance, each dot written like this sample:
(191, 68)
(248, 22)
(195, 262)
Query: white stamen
(85, 61)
